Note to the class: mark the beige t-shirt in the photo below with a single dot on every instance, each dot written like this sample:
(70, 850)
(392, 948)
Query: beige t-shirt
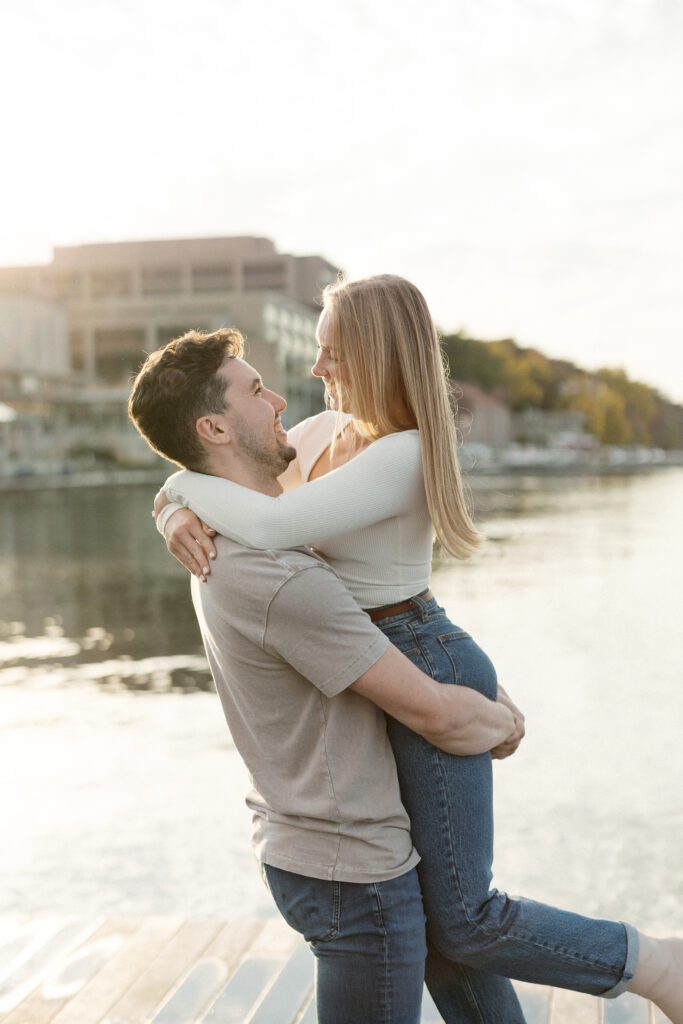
(285, 639)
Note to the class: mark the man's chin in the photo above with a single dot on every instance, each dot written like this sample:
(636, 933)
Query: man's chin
(288, 452)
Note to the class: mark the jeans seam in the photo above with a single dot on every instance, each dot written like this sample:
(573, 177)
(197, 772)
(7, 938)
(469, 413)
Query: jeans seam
(451, 845)
(421, 650)
(386, 991)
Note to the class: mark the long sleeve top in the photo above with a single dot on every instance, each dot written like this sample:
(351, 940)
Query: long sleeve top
(368, 518)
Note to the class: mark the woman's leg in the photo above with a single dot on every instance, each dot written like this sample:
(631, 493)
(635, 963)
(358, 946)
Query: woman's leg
(368, 940)
(449, 800)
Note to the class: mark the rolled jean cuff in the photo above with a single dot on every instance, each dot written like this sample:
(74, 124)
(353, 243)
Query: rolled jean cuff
(632, 950)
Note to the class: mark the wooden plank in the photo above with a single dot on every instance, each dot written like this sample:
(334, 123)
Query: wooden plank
(247, 987)
(42, 957)
(276, 939)
(290, 991)
(93, 992)
(152, 986)
(71, 973)
(207, 976)
(244, 990)
(21, 938)
(11, 925)
(535, 1000)
(309, 1015)
(626, 1009)
(574, 1008)
(430, 1014)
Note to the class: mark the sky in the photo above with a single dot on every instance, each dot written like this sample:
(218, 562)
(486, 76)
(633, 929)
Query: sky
(520, 160)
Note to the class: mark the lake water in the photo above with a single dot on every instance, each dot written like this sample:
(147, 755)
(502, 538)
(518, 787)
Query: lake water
(122, 793)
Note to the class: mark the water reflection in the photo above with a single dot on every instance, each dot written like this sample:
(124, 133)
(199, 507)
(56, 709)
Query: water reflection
(127, 794)
(91, 559)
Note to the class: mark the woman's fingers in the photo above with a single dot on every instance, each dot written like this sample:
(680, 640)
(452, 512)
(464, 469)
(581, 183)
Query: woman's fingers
(186, 542)
(208, 533)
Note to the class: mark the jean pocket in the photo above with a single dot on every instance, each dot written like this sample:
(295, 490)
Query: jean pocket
(311, 906)
(403, 638)
(468, 664)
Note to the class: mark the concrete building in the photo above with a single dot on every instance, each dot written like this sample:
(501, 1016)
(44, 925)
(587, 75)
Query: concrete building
(483, 419)
(552, 429)
(124, 299)
(34, 345)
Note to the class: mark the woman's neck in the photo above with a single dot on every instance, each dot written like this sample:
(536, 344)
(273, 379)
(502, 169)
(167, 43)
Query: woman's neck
(348, 444)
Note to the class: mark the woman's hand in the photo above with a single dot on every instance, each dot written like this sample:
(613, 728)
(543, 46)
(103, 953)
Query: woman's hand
(189, 540)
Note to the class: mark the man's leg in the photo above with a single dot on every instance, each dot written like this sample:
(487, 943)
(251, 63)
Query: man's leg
(368, 940)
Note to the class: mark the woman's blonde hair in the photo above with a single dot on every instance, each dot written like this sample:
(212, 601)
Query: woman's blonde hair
(382, 331)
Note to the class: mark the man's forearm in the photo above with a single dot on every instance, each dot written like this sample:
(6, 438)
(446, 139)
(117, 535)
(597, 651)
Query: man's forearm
(455, 718)
(469, 723)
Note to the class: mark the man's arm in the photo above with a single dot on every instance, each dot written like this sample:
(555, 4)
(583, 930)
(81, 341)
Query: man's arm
(316, 626)
(455, 718)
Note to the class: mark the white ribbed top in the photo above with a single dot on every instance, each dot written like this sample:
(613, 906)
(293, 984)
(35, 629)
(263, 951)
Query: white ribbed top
(369, 518)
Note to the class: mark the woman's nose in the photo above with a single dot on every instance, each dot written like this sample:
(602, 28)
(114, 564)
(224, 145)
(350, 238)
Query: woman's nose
(318, 368)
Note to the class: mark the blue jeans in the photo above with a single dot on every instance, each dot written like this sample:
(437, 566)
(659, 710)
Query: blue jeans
(479, 937)
(368, 941)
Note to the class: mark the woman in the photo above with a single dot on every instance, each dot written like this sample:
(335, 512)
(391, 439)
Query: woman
(382, 477)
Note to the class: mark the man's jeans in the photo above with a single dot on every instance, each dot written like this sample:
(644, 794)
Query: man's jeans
(368, 940)
(477, 934)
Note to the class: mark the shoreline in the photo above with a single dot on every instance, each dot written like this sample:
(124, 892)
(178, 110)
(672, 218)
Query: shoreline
(602, 466)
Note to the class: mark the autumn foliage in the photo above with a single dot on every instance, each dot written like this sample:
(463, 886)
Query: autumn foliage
(617, 410)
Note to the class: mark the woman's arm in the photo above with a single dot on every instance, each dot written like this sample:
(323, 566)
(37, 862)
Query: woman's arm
(383, 481)
(188, 539)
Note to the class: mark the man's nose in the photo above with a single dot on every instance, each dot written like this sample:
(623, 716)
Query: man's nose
(279, 403)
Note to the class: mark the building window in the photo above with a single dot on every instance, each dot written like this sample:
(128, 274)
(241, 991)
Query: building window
(106, 284)
(267, 275)
(213, 277)
(118, 354)
(77, 350)
(166, 334)
(161, 280)
(67, 285)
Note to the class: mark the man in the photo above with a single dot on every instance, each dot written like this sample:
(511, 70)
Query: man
(303, 676)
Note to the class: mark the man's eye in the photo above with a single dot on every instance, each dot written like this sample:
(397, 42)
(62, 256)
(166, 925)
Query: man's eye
(258, 391)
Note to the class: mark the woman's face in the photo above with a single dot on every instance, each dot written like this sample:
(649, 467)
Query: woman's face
(328, 365)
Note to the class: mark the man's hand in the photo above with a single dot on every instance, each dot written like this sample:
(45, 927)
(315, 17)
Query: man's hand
(456, 719)
(511, 744)
(189, 540)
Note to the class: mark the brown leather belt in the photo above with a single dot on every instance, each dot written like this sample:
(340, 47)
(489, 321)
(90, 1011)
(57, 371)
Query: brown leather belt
(387, 610)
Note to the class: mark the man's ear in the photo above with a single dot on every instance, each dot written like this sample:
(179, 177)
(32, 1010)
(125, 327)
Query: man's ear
(213, 429)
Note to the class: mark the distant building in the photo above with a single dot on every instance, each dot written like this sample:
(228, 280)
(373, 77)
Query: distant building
(552, 429)
(122, 300)
(483, 419)
(34, 344)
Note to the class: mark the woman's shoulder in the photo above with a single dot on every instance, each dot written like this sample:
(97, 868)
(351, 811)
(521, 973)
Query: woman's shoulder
(322, 425)
(406, 440)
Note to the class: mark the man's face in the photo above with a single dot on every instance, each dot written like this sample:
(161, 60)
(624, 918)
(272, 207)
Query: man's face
(253, 416)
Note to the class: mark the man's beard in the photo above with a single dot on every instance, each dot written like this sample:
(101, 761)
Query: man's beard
(272, 461)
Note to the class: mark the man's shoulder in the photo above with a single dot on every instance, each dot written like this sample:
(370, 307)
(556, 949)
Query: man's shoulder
(258, 572)
(250, 588)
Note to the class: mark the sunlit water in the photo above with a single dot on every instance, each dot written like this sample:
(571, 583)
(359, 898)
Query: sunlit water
(122, 792)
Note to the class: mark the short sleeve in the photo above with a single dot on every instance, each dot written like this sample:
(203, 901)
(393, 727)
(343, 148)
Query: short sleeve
(315, 625)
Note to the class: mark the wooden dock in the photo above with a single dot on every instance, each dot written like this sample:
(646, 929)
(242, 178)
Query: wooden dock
(172, 971)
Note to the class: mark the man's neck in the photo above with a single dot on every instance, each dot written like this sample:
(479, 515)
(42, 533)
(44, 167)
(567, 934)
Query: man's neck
(256, 478)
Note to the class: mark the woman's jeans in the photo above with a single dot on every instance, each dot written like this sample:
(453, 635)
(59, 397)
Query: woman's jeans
(477, 936)
(368, 941)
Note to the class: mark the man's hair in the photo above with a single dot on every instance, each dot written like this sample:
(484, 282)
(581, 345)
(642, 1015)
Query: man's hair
(175, 386)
